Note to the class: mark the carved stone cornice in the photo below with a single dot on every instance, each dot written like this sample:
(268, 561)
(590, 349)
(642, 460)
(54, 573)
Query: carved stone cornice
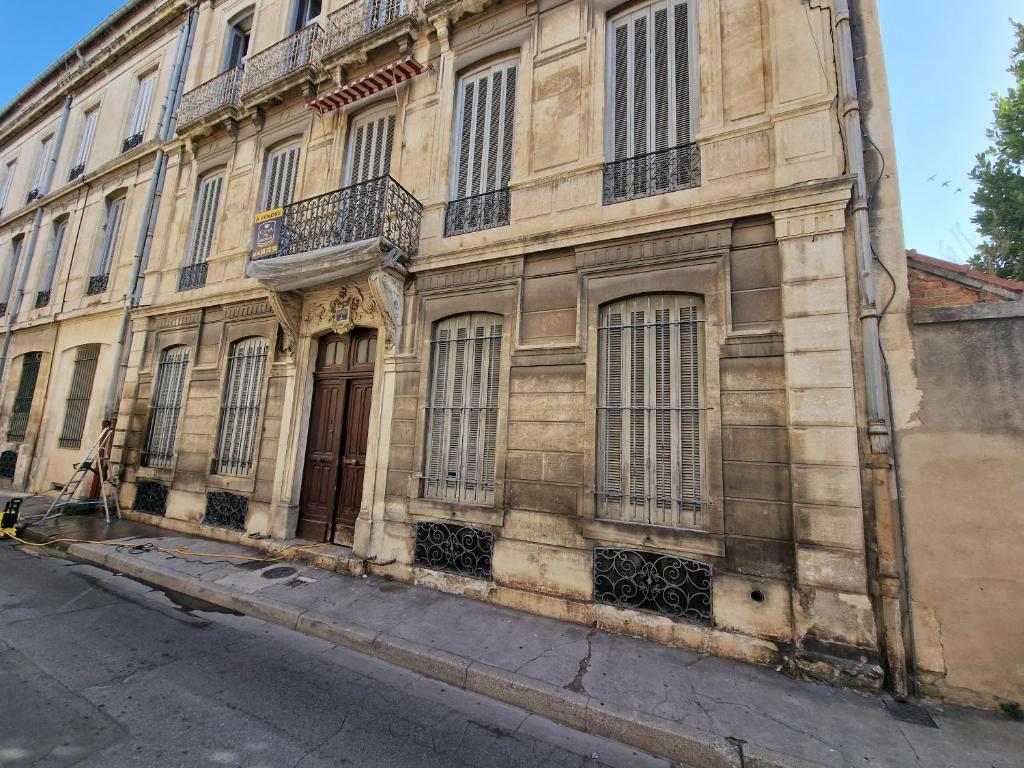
(388, 288)
(287, 308)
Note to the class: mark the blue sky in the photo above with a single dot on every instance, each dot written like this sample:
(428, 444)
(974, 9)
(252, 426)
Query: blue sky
(945, 59)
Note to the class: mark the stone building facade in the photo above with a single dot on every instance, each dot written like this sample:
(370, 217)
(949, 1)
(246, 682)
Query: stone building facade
(560, 306)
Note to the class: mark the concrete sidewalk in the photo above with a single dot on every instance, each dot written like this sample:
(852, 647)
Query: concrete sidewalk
(701, 711)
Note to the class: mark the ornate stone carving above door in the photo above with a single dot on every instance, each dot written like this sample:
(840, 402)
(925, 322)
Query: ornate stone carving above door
(376, 305)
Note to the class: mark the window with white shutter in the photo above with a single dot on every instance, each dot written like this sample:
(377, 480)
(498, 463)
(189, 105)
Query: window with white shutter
(49, 269)
(462, 410)
(370, 144)
(10, 269)
(76, 407)
(85, 143)
(165, 407)
(5, 183)
(239, 416)
(649, 103)
(108, 247)
(140, 112)
(649, 450)
(484, 145)
(204, 219)
(279, 178)
(45, 155)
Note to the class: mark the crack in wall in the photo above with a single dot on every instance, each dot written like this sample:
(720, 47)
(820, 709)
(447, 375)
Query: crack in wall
(576, 685)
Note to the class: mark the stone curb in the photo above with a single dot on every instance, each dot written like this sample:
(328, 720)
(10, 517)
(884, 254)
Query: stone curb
(666, 738)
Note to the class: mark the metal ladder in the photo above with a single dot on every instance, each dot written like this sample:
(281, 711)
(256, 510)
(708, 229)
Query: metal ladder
(95, 460)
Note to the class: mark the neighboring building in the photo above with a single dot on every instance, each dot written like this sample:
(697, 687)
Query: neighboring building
(961, 463)
(564, 312)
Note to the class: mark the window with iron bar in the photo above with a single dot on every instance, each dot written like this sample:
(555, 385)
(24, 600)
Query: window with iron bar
(462, 411)
(204, 224)
(239, 418)
(60, 229)
(85, 142)
(108, 246)
(165, 407)
(136, 129)
(22, 408)
(79, 395)
(649, 412)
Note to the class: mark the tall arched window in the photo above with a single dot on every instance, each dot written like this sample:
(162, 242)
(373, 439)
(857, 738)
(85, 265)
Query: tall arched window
(18, 425)
(165, 407)
(462, 415)
(239, 416)
(649, 452)
(76, 407)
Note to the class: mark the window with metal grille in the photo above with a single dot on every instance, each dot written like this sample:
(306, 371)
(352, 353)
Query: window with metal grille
(279, 181)
(45, 284)
(140, 110)
(462, 411)
(372, 136)
(22, 407)
(484, 144)
(649, 453)
(8, 463)
(239, 417)
(108, 246)
(79, 394)
(204, 219)
(650, 106)
(165, 407)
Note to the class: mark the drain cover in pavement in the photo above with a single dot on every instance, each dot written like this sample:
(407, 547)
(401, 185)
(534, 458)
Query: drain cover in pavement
(279, 572)
(910, 713)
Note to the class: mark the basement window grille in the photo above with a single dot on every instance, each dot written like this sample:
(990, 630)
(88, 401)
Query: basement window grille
(18, 425)
(79, 395)
(151, 497)
(650, 581)
(165, 407)
(8, 463)
(226, 510)
(239, 418)
(454, 548)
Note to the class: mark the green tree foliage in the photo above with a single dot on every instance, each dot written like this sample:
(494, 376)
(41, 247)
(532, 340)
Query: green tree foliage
(999, 174)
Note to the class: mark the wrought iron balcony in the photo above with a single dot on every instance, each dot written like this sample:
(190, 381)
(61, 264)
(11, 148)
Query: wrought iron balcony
(42, 299)
(655, 173)
(360, 19)
(380, 208)
(192, 276)
(485, 211)
(219, 93)
(3, 308)
(77, 171)
(97, 284)
(34, 194)
(131, 142)
(282, 59)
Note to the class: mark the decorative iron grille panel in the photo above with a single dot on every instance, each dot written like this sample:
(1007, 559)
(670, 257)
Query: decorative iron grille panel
(226, 510)
(22, 407)
(43, 298)
(359, 19)
(239, 418)
(3, 308)
(193, 276)
(454, 548)
(79, 395)
(166, 407)
(97, 284)
(34, 194)
(650, 581)
(132, 141)
(77, 171)
(151, 497)
(280, 60)
(654, 173)
(377, 208)
(8, 463)
(220, 92)
(472, 214)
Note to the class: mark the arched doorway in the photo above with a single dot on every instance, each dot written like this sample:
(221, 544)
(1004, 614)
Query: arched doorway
(332, 483)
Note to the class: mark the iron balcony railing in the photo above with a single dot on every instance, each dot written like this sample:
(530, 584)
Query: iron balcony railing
(97, 284)
(77, 171)
(357, 20)
(281, 59)
(485, 211)
(3, 309)
(131, 142)
(34, 194)
(654, 173)
(215, 94)
(379, 207)
(42, 298)
(192, 276)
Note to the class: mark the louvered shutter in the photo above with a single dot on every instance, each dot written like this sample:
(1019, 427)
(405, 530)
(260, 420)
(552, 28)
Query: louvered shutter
(486, 132)
(110, 234)
(649, 409)
(143, 102)
(22, 407)
(370, 147)
(282, 171)
(650, 87)
(45, 154)
(239, 422)
(53, 257)
(165, 407)
(462, 416)
(10, 269)
(88, 133)
(205, 219)
(5, 185)
(79, 396)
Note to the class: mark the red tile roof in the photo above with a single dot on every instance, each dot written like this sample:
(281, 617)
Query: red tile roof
(1016, 286)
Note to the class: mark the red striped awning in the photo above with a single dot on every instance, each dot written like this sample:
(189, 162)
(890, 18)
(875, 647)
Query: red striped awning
(390, 74)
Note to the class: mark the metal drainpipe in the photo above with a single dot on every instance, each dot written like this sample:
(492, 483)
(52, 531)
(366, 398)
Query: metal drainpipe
(37, 220)
(892, 584)
(151, 208)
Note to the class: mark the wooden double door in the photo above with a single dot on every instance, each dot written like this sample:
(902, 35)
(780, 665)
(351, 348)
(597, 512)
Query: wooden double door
(332, 485)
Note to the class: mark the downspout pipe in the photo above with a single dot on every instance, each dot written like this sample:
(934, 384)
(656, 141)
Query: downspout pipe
(152, 205)
(37, 220)
(893, 581)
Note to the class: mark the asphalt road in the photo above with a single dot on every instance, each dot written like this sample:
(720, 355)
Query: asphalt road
(98, 670)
